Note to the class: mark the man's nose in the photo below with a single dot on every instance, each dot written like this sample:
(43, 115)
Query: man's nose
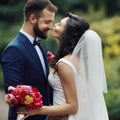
(51, 26)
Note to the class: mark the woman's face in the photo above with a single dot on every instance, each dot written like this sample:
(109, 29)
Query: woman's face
(59, 28)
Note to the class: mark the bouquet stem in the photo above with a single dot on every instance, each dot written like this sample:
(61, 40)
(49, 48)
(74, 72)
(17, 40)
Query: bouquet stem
(20, 116)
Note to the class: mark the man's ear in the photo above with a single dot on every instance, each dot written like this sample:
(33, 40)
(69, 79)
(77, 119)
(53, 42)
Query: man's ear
(32, 19)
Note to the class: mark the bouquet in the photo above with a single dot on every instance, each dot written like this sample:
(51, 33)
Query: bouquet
(24, 95)
(49, 56)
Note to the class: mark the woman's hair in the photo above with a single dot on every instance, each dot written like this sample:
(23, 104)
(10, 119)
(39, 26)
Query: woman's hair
(74, 29)
(36, 7)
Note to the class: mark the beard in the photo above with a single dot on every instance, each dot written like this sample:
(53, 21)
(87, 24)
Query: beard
(39, 33)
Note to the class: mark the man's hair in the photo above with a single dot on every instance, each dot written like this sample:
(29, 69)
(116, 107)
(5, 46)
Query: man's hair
(36, 7)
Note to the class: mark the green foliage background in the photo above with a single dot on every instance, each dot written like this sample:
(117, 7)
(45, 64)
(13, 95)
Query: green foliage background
(104, 18)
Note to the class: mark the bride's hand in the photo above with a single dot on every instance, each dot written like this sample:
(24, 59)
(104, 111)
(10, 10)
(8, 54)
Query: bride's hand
(25, 116)
(26, 112)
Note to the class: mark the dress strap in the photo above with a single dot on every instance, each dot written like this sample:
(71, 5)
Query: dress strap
(68, 63)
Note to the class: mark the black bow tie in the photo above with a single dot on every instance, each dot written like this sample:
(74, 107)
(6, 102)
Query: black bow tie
(36, 42)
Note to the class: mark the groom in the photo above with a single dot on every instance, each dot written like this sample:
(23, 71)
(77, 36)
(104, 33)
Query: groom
(23, 61)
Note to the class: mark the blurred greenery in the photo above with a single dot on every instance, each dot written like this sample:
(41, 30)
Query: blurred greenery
(104, 18)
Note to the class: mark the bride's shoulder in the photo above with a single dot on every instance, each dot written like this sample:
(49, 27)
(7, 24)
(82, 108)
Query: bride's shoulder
(67, 63)
(65, 58)
(60, 63)
(63, 68)
(63, 63)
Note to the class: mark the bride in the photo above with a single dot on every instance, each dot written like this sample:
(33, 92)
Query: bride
(78, 79)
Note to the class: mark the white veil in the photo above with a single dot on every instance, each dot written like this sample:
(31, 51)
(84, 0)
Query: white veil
(90, 79)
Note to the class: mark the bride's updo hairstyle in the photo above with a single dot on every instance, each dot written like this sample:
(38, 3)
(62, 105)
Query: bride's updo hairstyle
(74, 29)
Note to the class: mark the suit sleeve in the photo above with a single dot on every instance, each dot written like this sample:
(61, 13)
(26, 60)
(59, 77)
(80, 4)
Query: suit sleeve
(13, 67)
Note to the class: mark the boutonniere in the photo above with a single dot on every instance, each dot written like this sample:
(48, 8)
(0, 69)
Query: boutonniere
(49, 56)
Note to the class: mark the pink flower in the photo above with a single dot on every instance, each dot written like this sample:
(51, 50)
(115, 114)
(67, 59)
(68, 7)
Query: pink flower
(9, 98)
(15, 101)
(11, 88)
(49, 56)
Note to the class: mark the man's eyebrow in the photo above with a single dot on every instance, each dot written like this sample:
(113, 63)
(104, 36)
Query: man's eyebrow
(49, 20)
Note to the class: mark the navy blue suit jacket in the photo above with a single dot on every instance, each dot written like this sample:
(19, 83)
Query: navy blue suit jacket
(21, 65)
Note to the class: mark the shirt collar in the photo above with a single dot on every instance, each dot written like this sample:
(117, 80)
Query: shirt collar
(31, 38)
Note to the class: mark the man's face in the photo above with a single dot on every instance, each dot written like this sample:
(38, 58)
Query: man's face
(44, 23)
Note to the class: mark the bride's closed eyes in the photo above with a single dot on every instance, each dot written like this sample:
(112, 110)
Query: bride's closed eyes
(58, 24)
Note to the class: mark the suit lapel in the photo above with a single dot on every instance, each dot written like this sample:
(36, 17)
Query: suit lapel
(30, 48)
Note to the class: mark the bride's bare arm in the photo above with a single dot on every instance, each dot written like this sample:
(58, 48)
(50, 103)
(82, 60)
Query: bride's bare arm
(68, 83)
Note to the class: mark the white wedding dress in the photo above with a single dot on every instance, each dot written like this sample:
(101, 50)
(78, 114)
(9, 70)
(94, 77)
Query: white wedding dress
(86, 62)
(94, 111)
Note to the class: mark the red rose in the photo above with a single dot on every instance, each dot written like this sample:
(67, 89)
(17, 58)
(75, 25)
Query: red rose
(49, 56)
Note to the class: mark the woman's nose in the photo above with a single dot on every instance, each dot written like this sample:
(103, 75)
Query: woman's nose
(56, 24)
(51, 27)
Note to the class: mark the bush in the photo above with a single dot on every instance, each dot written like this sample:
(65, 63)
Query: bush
(11, 13)
(113, 103)
(109, 31)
